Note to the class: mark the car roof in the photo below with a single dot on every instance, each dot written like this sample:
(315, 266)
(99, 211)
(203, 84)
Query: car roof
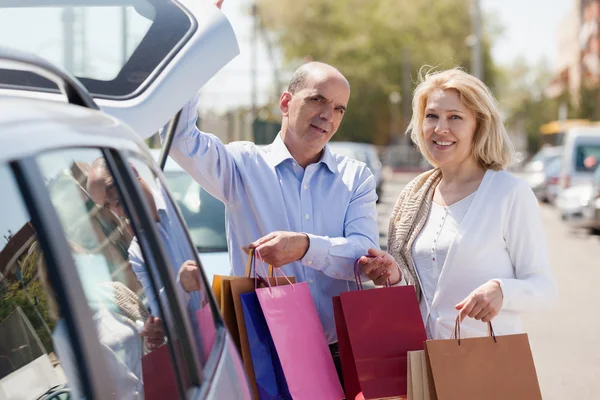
(30, 126)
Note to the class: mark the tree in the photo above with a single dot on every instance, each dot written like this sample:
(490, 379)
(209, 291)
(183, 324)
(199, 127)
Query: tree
(522, 97)
(366, 40)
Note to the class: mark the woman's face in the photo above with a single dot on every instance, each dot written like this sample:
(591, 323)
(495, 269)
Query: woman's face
(449, 127)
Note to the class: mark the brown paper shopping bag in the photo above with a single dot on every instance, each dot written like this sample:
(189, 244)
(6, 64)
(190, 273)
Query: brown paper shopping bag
(221, 287)
(491, 368)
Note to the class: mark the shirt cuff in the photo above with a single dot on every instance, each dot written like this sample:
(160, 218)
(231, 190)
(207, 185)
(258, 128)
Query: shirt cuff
(318, 249)
(402, 281)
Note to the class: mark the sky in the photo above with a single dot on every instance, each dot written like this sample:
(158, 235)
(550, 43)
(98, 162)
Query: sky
(530, 32)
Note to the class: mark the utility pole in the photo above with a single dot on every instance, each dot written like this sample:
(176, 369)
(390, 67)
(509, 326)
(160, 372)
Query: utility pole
(395, 99)
(406, 95)
(476, 58)
(254, 61)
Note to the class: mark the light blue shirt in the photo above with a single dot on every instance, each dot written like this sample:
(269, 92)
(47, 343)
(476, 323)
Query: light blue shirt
(265, 190)
(177, 251)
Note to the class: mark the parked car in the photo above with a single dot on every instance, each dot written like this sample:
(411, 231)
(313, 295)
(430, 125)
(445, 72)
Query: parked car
(540, 172)
(72, 311)
(591, 212)
(204, 216)
(581, 155)
(364, 152)
(571, 203)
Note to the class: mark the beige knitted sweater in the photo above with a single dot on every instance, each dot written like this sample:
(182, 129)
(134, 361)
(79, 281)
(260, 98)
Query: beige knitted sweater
(408, 218)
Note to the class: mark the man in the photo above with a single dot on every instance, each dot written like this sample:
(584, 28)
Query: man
(307, 210)
(103, 192)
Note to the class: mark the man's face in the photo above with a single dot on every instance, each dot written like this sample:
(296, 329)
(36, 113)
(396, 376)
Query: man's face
(315, 112)
(103, 191)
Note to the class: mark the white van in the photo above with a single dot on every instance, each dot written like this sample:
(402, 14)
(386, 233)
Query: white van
(581, 155)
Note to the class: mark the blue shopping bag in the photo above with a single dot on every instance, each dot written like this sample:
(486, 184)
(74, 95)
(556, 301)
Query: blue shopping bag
(270, 379)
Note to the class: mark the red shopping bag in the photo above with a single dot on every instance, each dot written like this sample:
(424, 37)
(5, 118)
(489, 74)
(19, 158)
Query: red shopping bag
(376, 328)
(159, 377)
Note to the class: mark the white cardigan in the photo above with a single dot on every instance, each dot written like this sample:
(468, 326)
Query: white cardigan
(501, 238)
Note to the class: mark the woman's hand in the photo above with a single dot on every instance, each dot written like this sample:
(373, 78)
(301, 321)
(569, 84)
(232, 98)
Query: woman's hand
(483, 304)
(379, 266)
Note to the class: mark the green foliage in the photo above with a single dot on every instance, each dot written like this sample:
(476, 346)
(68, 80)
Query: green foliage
(368, 41)
(13, 295)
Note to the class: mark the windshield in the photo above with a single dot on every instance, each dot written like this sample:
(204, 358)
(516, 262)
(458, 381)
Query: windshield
(587, 157)
(204, 215)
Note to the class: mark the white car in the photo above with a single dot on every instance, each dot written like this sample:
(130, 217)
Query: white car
(204, 216)
(571, 203)
(84, 210)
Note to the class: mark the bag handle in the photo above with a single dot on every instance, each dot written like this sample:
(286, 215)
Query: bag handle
(250, 265)
(273, 271)
(357, 277)
(456, 334)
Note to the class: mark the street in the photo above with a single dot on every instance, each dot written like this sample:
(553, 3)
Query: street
(564, 339)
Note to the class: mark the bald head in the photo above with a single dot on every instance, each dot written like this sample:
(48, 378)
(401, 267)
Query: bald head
(314, 68)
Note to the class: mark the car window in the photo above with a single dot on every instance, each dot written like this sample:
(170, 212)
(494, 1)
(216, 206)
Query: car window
(31, 328)
(129, 322)
(587, 157)
(203, 214)
(181, 255)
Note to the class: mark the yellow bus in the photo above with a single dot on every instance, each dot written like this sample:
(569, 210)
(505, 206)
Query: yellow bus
(553, 133)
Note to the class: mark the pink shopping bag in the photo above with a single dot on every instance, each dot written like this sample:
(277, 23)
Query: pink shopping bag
(206, 327)
(300, 341)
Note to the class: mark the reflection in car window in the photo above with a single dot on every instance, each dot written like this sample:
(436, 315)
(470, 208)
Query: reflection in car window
(131, 330)
(30, 364)
(181, 256)
(204, 215)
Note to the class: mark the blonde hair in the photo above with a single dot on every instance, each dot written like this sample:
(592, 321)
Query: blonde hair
(492, 147)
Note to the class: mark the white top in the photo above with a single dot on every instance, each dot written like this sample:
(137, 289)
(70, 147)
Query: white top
(431, 247)
(501, 238)
(122, 347)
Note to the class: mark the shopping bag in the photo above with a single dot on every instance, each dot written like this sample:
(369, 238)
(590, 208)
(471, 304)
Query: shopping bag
(491, 368)
(300, 341)
(158, 374)
(270, 379)
(419, 377)
(376, 329)
(238, 287)
(221, 287)
(206, 327)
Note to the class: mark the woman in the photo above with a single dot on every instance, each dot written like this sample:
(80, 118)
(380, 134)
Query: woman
(467, 234)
